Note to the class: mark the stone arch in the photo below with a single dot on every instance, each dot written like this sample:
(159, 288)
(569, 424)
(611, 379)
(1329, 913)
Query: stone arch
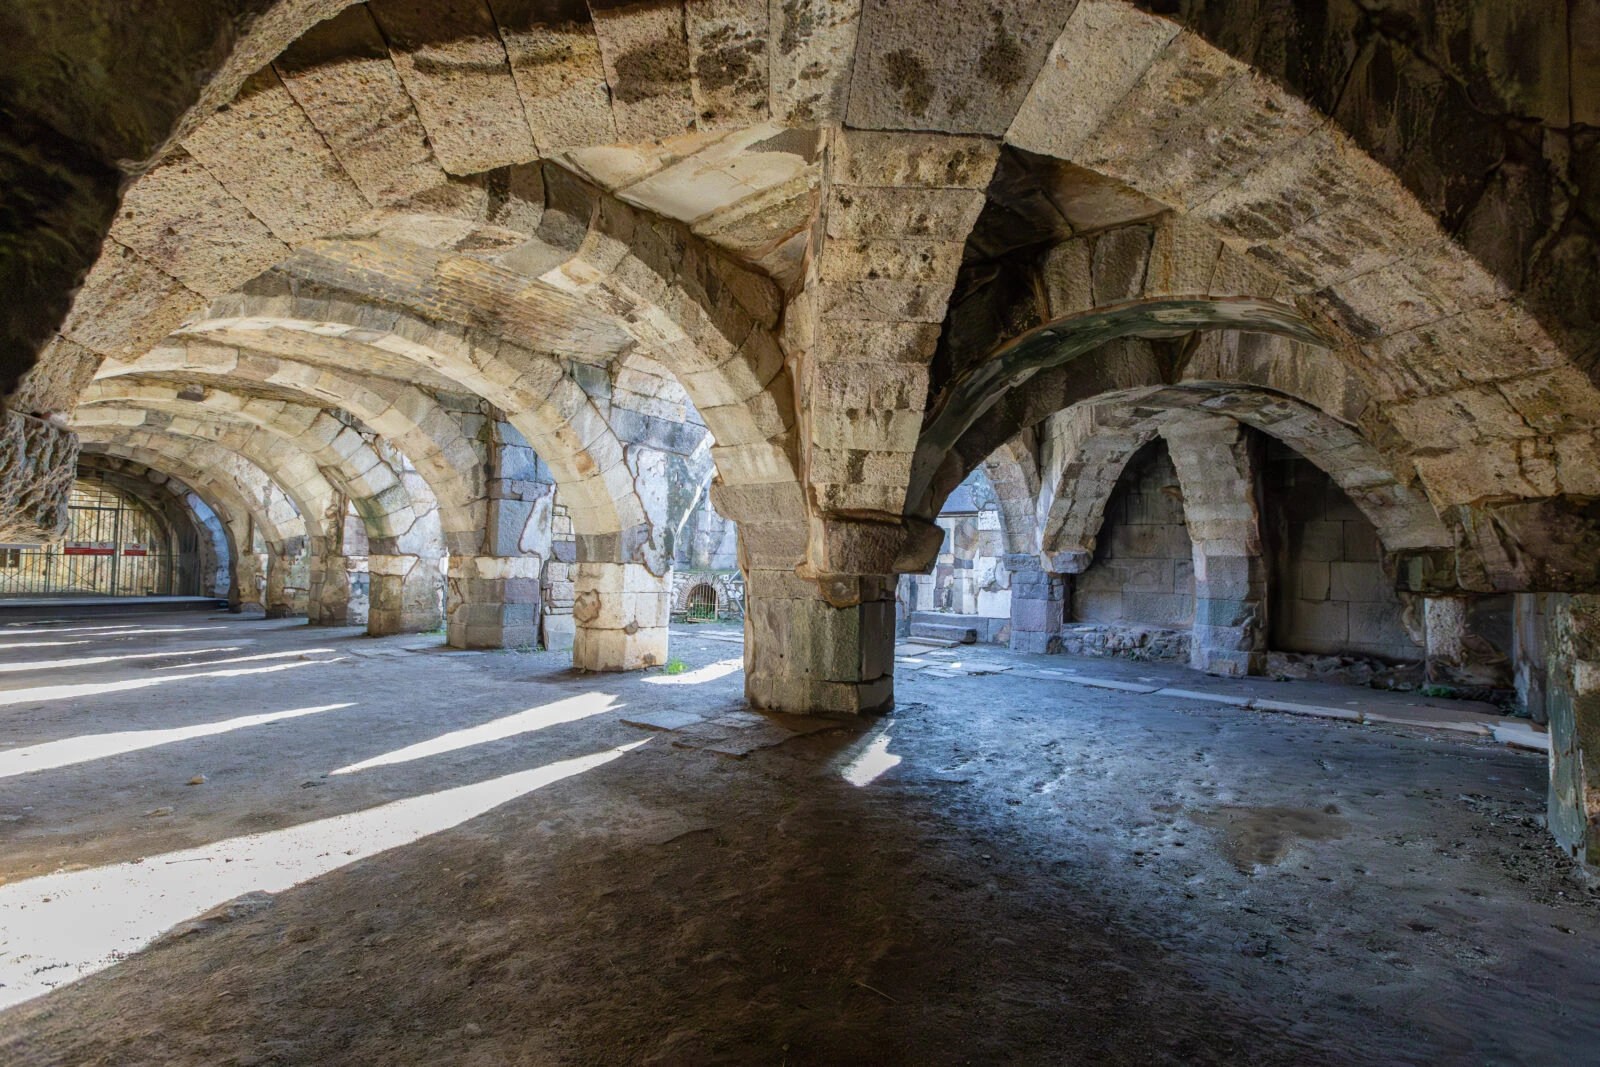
(539, 398)
(181, 502)
(1014, 474)
(404, 545)
(1095, 440)
(415, 422)
(1428, 330)
(294, 474)
(381, 499)
(236, 489)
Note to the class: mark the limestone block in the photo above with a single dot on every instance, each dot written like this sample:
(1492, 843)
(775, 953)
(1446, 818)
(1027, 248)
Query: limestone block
(1312, 581)
(555, 59)
(813, 42)
(265, 151)
(454, 66)
(1359, 582)
(614, 650)
(126, 304)
(646, 57)
(1195, 122)
(935, 214)
(931, 161)
(1101, 54)
(359, 106)
(922, 64)
(727, 42)
(181, 219)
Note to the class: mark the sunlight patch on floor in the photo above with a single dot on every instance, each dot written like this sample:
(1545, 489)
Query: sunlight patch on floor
(241, 659)
(7, 645)
(120, 630)
(57, 928)
(89, 689)
(708, 673)
(572, 709)
(873, 760)
(92, 661)
(71, 750)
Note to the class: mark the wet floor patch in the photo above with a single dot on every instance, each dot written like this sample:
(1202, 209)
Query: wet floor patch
(1254, 837)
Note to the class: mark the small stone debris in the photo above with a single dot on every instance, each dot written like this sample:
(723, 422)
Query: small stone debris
(158, 813)
(198, 779)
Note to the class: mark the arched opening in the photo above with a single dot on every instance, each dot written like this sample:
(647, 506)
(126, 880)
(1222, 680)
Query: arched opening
(1137, 595)
(116, 545)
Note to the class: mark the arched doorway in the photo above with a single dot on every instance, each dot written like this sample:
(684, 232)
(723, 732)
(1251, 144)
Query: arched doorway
(115, 545)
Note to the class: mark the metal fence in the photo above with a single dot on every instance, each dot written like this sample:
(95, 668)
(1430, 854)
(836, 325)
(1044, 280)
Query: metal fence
(114, 546)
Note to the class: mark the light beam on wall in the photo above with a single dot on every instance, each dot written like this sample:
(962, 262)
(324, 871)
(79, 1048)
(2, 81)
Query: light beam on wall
(58, 928)
(523, 722)
(70, 750)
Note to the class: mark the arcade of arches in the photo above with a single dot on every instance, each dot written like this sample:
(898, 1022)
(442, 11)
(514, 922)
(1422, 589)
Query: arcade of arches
(1251, 340)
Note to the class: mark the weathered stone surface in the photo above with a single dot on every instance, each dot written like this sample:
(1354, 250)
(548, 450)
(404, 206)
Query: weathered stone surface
(455, 68)
(38, 463)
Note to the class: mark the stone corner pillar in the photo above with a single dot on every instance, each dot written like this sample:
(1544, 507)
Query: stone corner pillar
(1217, 474)
(492, 601)
(1038, 604)
(620, 612)
(404, 594)
(805, 656)
(1572, 700)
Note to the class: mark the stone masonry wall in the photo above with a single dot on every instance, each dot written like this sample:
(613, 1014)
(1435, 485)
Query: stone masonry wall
(38, 461)
(1329, 593)
(1143, 569)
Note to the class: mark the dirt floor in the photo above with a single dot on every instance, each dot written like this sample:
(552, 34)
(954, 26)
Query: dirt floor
(1006, 870)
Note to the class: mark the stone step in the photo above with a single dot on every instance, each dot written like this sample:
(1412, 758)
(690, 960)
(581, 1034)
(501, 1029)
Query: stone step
(961, 635)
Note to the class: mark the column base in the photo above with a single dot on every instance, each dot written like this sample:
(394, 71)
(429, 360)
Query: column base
(493, 602)
(804, 656)
(404, 594)
(621, 612)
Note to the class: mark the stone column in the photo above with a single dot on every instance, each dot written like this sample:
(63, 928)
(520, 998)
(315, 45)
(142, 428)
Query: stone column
(1572, 699)
(1038, 604)
(493, 599)
(622, 599)
(248, 591)
(288, 581)
(1217, 475)
(621, 611)
(805, 656)
(405, 593)
(275, 598)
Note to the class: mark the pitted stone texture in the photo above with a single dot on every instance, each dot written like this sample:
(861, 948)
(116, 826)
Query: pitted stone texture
(813, 42)
(453, 64)
(38, 463)
(805, 656)
(960, 68)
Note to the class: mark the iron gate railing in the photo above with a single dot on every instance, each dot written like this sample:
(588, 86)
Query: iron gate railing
(114, 547)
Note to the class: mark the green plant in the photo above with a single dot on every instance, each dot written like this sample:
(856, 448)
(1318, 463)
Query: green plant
(1438, 691)
(675, 666)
